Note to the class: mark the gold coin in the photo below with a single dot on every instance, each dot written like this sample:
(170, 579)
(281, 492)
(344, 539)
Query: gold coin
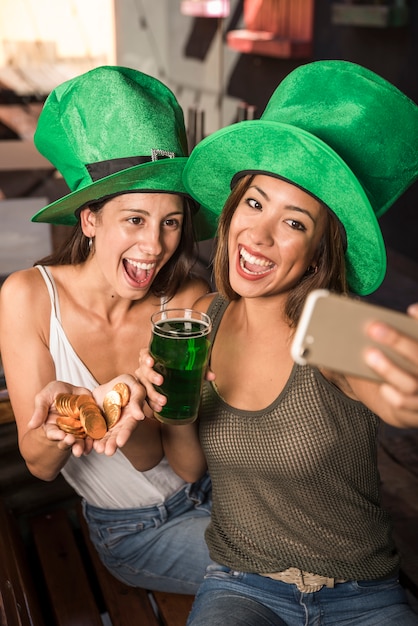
(112, 414)
(62, 403)
(112, 407)
(89, 404)
(88, 410)
(124, 391)
(66, 404)
(81, 415)
(82, 398)
(72, 405)
(72, 426)
(93, 421)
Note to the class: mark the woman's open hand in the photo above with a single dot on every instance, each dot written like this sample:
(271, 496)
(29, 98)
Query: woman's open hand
(117, 436)
(45, 416)
(400, 387)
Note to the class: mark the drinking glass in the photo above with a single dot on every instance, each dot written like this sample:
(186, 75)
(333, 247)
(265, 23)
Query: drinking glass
(180, 349)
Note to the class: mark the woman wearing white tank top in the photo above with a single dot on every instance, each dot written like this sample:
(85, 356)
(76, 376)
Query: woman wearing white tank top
(81, 316)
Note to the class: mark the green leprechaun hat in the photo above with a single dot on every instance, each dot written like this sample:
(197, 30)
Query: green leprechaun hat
(109, 131)
(337, 130)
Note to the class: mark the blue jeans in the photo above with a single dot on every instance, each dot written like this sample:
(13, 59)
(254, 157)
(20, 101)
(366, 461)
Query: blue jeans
(160, 547)
(239, 599)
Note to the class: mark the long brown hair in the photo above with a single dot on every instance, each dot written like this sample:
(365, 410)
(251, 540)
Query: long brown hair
(75, 250)
(330, 272)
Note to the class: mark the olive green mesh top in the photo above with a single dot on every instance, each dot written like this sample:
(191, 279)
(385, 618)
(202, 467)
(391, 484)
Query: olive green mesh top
(296, 484)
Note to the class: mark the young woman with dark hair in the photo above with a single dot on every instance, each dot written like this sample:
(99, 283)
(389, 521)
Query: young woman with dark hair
(78, 319)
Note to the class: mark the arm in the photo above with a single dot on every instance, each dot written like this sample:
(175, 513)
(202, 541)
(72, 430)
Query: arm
(183, 451)
(28, 366)
(395, 400)
(181, 443)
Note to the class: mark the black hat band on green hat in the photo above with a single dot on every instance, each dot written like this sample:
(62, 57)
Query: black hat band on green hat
(94, 129)
(101, 169)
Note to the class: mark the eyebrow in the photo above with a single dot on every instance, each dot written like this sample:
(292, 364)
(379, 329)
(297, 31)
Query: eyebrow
(288, 206)
(148, 213)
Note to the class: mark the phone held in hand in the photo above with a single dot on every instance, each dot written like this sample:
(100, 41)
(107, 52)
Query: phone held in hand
(331, 333)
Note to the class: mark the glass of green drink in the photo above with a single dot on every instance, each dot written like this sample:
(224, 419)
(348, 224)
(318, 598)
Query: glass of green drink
(180, 349)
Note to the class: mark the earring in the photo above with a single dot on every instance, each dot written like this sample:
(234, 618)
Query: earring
(90, 243)
(312, 270)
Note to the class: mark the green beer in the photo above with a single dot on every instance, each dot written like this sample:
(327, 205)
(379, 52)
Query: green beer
(180, 349)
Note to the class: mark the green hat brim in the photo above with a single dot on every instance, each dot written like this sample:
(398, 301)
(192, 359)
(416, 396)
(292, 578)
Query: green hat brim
(301, 158)
(163, 176)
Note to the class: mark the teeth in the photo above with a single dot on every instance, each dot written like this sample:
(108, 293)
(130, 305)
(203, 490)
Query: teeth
(249, 258)
(141, 266)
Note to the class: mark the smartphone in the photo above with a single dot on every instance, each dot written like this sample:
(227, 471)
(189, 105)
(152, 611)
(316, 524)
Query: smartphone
(331, 333)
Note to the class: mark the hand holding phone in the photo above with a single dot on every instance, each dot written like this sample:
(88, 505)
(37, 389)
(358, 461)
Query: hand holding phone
(332, 333)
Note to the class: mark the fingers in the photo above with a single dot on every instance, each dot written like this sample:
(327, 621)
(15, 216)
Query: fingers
(134, 408)
(157, 402)
(54, 433)
(405, 376)
(404, 380)
(148, 377)
(120, 433)
(39, 416)
(135, 389)
(65, 441)
(400, 386)
(45, 399)
(413, 310)
(65, 447)
(401, 401)
(146, 373)
(116, 437)
(125, 431)
(209, 375)
(81, 447)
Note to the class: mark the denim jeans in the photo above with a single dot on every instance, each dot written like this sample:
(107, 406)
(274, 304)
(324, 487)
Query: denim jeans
(239, 599)
(160, 547)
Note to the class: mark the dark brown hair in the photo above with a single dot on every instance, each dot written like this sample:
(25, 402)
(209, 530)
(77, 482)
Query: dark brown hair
(330, 272)
(75, 250)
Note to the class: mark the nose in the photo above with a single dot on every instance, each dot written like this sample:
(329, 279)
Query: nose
(261, 232)
(151, 241)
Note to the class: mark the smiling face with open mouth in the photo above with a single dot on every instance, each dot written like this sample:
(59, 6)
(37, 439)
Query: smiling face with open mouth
(139, 272)
(135, 235)
(273, 238)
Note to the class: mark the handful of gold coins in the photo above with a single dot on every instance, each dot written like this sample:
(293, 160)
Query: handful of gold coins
(80, 415)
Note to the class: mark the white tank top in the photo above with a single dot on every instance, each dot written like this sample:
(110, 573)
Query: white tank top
(105, 482)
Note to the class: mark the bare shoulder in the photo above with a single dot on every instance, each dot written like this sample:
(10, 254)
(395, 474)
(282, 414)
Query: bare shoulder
(204, 302)
(24, 304)
(20, 286)
(191, 290)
